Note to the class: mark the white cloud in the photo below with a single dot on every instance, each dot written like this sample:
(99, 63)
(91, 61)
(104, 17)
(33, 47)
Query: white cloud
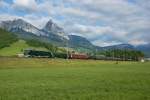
(128, 21)
(29, 18)
(137, 42)
(105, 43)
(3, 4)
(25, 4)
(37, 21)
(5, 17)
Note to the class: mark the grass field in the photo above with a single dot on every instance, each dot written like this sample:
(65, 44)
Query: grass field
(54, 79)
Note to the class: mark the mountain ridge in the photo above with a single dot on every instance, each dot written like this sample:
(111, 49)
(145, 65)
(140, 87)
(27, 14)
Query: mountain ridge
(52, 33)
(26, 30)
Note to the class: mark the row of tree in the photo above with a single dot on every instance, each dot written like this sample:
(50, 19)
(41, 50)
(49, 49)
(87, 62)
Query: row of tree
(122, 54)
(48, 46)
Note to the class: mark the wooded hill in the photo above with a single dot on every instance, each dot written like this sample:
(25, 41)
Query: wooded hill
(6, 38)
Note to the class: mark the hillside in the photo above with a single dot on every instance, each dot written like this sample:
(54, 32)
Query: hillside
(6, 38)
(16, 48)
(144, 48)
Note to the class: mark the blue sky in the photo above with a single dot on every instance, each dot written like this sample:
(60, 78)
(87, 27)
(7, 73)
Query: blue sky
(103, 22)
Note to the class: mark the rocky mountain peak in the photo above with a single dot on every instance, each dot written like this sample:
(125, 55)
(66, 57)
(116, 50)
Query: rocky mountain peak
(17, 23)
(21, 25)
(53, 27)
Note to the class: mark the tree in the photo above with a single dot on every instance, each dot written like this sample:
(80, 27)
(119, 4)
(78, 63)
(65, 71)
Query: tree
(124, 54)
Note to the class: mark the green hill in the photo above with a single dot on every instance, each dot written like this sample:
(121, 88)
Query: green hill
(20, 45)
(17, 47)
(6, 38)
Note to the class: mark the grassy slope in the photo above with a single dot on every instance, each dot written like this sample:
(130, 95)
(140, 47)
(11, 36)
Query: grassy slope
(6, 38)
(16, 48)
(49, 79)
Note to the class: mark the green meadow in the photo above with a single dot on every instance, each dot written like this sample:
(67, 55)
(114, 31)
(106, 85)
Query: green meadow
(57, 79)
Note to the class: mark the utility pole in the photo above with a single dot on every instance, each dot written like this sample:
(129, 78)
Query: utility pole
(67, 46)
(67, 51)
(125, 54)
(113, 54)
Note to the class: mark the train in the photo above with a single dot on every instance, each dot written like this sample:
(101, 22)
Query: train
(72, 55)
(37, 54)
(46, 54)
